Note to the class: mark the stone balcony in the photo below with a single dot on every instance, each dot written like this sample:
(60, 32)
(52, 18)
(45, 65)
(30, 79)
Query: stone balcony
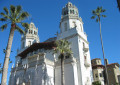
(85, 49)
(66, 61)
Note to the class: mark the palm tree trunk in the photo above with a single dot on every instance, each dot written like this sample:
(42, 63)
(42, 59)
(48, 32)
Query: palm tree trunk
(107, 80)
(6, 60)
(62, 70)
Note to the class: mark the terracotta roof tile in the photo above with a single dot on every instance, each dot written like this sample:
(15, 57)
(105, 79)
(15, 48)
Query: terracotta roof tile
(113, 64)
(98, 66)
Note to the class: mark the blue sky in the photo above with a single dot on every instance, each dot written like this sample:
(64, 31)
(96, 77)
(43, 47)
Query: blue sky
(46, 15)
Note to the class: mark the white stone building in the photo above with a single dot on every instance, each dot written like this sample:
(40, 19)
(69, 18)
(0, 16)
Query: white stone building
(37, 65)
(98, 70)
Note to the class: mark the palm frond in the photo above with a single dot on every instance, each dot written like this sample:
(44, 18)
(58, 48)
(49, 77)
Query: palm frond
(6, 10)
(3, 27)
(25, 25)
(97, 20)
(18, 10)
(10, 62)
(93, 17)
(97, 13)
(4, 15)
(63, 47)
(19, 30)
(22, 16)
(97, 10)
(93, 12)
(103, 10)
(104, 16)
(3, 19)
(12, 9)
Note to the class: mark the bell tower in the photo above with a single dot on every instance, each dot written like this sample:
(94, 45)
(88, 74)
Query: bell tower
(70, 18)
(71, 28)
(30, 37)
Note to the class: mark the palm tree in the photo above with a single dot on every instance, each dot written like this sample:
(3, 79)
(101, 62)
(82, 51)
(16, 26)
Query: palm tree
(14, 16)
(98, 14)
(0, 68)
(118, 3)
(63, 47)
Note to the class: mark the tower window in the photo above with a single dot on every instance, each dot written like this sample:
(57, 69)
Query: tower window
(83, 44)
(74, 24)
(32, 25)
(85, 58)
(65, 12)
(29, 31)
(29, 43)
(100, 74)
(71, 11)
(34, 32)
(96, 75)
(81, 27)
(65, 25)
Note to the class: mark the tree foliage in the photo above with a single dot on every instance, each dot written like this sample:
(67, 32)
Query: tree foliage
(15, 16)
(63, 47)
(98, 14)
(118, 4)
(96, 83)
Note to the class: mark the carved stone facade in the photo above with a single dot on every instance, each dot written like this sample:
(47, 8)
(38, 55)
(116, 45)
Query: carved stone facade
(36, 64)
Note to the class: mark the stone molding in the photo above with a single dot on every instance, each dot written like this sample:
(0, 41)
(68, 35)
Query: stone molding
(77, 35)
(66, 61)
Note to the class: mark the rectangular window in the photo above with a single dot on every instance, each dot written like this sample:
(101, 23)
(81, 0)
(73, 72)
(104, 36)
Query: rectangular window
(29, 43)
(119, 78)
(100, 74)
(96, 75)
(65, 25)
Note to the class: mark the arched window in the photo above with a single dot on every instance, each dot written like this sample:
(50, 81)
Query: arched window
(29, 43)
(31, 31)
(83, 44)
(85, 57)
(74, 24)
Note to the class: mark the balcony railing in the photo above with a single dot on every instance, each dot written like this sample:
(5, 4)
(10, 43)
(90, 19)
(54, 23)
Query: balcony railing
(85, 49)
